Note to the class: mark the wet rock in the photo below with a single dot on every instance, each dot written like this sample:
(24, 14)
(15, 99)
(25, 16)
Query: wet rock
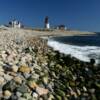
(18, 94)
(45, 79)
(57, 97)
(72, 83)
(24, 69)
(44, 97)
(27, 96)
(21, 98)
(18, 80)
(28, 50)
(14, 68)
(93, 97)
(35, 76)
(2, 73)
(29, 57)
(1, 95)
(10, 85)
(1, 80)
(41, 91)
(7, 93)
(23, 59)
(26, 75)
(50, 86)
(8, 77)
(23, 88)
(92, 61)
(92, 90)
(41, 98)
(13, 97)
(35, 96)
(51, 97)
(7, 66)
(1, 89)
(88, 73)
(32, 84)
(10, 58)
(78, 92)
(37, 69)
(60, 92)
(1, 69)
(13, 74)
(84, 89)
(84, 96)
(4, 56)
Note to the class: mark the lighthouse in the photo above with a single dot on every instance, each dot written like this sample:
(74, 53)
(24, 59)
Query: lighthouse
(46, 23)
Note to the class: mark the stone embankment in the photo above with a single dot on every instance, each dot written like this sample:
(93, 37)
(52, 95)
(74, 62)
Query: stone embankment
(30, 70)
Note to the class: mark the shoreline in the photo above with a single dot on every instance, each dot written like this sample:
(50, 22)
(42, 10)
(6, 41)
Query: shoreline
(29, 69)
(45, 33)
(38, 72)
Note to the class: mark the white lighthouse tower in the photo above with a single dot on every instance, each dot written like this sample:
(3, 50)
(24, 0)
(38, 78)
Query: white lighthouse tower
(47, 25)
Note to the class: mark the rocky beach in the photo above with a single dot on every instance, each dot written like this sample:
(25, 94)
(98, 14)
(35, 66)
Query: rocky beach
(30, 70)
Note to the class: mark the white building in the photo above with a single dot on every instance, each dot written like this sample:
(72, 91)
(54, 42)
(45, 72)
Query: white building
(62, 27)
(15, 24)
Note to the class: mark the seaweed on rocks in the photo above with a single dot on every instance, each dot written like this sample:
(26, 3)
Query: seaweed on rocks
(10, 85)
(38, 72)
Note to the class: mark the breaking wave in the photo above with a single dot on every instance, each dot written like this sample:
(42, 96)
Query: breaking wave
(83, 53)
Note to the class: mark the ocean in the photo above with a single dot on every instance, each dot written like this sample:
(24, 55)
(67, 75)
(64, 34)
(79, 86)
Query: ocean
(83, 48)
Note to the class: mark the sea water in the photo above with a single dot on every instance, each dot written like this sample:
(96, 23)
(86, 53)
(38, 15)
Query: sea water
(83, 48)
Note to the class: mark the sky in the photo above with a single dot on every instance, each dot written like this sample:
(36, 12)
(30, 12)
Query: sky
(81, 15)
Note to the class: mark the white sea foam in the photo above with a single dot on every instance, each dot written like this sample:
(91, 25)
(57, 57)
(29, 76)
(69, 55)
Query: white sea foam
(84, 53)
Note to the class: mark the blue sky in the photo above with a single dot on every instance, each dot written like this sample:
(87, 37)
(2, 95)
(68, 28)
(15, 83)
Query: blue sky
(75, 14)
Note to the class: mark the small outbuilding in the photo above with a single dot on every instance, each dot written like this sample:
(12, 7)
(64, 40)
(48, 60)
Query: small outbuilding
(61, 27)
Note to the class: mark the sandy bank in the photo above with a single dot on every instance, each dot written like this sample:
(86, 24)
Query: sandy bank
(43, 33)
